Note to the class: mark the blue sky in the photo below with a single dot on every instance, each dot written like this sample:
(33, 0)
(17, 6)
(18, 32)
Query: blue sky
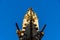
(12, 11)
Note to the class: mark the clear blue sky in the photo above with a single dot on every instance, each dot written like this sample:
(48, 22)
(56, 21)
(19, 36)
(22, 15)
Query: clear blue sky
(12, 11)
